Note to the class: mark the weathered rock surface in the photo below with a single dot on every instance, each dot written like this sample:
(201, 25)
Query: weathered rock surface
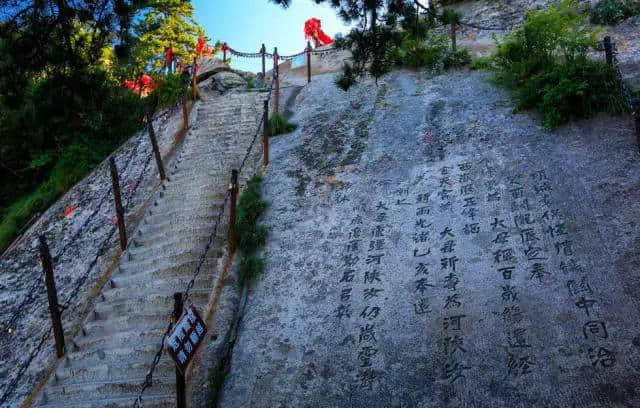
(431, 248)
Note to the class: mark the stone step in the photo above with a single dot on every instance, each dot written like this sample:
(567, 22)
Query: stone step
(150, 400)
(174, 227)
(182, 270)
(114, 355)
(176, 233)
(104, 333)
(130, 368)
(150, 250)
(113, 296)
(79, 391)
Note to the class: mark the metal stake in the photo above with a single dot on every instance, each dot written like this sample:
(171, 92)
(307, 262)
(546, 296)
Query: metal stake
(181, 389)
(118, 201)
(52, 295)
(308, 62)
(608, 50)
(263, 51)
(276, 76)
(156, 150)
(233, 231)
(265, 133)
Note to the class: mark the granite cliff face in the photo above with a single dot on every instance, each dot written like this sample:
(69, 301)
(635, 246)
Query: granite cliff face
(428, 247)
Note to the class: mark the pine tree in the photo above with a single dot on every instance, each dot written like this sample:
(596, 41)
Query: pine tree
(166, 23)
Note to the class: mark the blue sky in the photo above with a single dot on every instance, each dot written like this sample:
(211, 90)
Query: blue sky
(246, 24)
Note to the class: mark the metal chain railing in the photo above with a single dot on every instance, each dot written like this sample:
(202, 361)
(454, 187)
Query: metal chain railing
(627, 95)
(148, 381)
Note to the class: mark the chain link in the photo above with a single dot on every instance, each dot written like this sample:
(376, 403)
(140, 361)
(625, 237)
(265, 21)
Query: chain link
(627, 95)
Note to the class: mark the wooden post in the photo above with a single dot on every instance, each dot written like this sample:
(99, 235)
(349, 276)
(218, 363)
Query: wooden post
(276, 77)
(265, 133)
(224, 53)
(263, 51)
(154, 145)
(193, 80)
(181, 389)
(185, 111)
(636, 114)
(118, 201)
(608, 50)
(308, 62)
(52, 295)
(233, 231)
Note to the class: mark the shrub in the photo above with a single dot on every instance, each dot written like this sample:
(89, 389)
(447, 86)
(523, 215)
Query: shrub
(482, 63)
(251, 236)
(613, 11)
(545, 63)
(456, 59)
(426, 53)
(279, 125)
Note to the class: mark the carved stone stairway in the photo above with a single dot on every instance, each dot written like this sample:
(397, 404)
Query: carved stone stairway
(109, 358)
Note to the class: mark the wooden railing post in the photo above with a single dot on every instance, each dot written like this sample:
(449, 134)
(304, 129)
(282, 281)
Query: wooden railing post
(636, 115)
(263, 51)
(276, 78)
(233, 231)
(115, 181)
(194, 92)
(185, 111)
(181, 389)
(265, 133)
(52, 295)
(154, 145)
(608, 50)
(308, 62)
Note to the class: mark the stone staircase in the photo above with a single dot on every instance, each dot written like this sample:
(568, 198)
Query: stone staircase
(112, 353)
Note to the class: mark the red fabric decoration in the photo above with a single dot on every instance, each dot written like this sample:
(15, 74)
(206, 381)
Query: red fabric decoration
(168, 56)
(69, 210)
(312, 31)
(200, 46)
(143, 86)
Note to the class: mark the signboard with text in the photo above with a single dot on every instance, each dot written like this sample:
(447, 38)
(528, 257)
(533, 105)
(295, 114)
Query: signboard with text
(185, 337)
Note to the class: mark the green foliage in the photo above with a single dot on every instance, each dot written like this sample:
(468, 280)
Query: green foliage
(545, 63)
(279, 125)
(450, 16)
(347, 77)
(217, 375)
(614, 11)
(482, 63)
(251, 236)
(456, 59)
(63, 108)
(423, 53)
(167, 23)
(250, 268)
(169, 89)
